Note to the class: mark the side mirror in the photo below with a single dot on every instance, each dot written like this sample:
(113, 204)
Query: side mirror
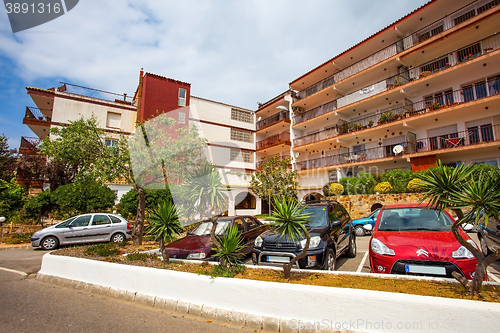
(336, 223)
(368, 227)
(468, 227)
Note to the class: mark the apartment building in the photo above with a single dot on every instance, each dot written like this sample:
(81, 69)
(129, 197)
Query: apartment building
(424, 88)
(229, 130)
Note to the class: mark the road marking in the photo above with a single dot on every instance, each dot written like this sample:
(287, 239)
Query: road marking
(360, 267)
(13, 271)
(491, 275)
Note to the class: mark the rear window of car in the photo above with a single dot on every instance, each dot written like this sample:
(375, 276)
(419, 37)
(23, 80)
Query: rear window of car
(114, 219)
(414, 219)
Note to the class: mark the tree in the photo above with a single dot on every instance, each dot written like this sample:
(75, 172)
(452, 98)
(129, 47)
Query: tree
(164, 223)
(160, 152)
(79, 148)
(130, 200)
(12, 198)
(7, 159)
(275, 176)
(460, 188)
(31, 169)
(83, 197)
(290, 222)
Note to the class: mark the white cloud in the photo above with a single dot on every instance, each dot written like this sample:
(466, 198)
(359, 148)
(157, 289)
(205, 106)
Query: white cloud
(237, 52)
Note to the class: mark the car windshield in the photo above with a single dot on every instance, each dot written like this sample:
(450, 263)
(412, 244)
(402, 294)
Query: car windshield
(318, 216)
(205, 227)
(414, 219)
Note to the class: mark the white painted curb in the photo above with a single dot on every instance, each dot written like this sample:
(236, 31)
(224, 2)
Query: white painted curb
(286, 304)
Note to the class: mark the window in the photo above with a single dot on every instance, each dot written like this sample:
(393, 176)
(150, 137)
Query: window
(182, 97)
(251, 223)
(182, 118)
(494, 85)
(243, 116)
(245, 201)
(114, 120)
(100, 220)
(81, 221)
(115, 219)
(110, 143)
(493, 162)
(241, 155)
(241, 135)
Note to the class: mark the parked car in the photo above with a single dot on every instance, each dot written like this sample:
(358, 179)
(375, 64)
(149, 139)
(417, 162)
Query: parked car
(411, 239)
(331, 233)
(197, 243)
(489, 236)
(86, 228)
(359, 223)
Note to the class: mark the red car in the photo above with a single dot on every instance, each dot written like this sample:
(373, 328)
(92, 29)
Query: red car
(197, 243)
(411, 239)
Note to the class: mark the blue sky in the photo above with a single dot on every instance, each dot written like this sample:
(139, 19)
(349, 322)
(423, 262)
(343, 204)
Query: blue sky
(238, 52)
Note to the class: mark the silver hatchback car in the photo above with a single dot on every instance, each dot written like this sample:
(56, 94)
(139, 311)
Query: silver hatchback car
(86, 228)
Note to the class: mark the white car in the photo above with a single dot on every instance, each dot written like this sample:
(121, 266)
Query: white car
(86, 228)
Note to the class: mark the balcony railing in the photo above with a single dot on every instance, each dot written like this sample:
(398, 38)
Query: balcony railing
(316, 112)
(31, 144)
(273, 140)
(95, 93)
(445, 23)
(439, 101)
(273, 119)
(35, 113)
(470, 137)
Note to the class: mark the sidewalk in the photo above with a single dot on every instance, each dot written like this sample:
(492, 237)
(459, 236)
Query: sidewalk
(5, 246)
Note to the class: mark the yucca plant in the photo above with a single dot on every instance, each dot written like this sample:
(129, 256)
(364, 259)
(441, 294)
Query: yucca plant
(164, 224)
(290, 222)
(464, 187)
(230, 246)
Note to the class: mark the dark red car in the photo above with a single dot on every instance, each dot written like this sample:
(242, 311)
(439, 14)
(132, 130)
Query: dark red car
(197, 244)
(411, 239)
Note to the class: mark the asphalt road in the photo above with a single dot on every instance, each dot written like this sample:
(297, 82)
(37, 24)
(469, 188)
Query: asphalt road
(28, 305)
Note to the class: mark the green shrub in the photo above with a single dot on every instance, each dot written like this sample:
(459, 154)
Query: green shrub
(129, 201)
(102, 250)
(414, 186)
(336, 189)
(349, 184)
(398, 179)
(20, 238)
(80, 198)
(222, 271)
(137, 256)
(326, 190)
(12, 198)
(383, 188)
(40, 205)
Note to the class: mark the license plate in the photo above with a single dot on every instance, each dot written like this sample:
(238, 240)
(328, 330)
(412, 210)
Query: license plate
(425, 269)
(278, 259)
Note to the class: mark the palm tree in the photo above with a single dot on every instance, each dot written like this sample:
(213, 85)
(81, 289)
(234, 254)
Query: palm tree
(464, 187)
(164, 223)
(203, 194)
(230, 246)
(290, 222)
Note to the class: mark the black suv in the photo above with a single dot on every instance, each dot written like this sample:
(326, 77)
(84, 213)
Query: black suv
(331, 234)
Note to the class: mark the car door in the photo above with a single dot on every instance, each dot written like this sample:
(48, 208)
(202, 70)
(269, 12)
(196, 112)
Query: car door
(100, 228)
(77, 231)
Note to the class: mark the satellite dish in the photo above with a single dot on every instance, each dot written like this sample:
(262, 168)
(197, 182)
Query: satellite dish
(281, 107)
(297, 155)
(258, 119)
(398, 149)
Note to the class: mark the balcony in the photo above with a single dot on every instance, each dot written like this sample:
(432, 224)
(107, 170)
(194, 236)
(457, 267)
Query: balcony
(38, 121)
(443, 24)
(445, 100)
(95, 93)
(36, 113)
(316, 112)
(283, 138)
(259, 163)
(29, 145)
(462, 140)
(273, 119)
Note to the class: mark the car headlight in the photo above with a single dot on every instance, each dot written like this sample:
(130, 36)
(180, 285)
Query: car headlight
(380, 248)
(463, 253)
(312, 244)
(258, 241)
(197, 255)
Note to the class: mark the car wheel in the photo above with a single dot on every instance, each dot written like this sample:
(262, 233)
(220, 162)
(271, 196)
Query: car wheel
(49, 243)
(351, 251)
(118, 238)
(484, 247)
(330, 260)
(359, 231)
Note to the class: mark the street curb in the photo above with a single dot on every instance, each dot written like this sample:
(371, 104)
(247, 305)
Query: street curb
(14, 247)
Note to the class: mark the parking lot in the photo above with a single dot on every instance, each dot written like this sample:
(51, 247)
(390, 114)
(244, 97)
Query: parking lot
(361, 262)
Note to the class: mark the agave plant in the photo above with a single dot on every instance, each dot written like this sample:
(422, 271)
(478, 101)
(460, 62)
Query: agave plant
(290, 222)
(164, 224)
(230, 246)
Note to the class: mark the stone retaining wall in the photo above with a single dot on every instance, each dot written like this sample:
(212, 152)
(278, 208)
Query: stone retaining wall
(361, 205)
